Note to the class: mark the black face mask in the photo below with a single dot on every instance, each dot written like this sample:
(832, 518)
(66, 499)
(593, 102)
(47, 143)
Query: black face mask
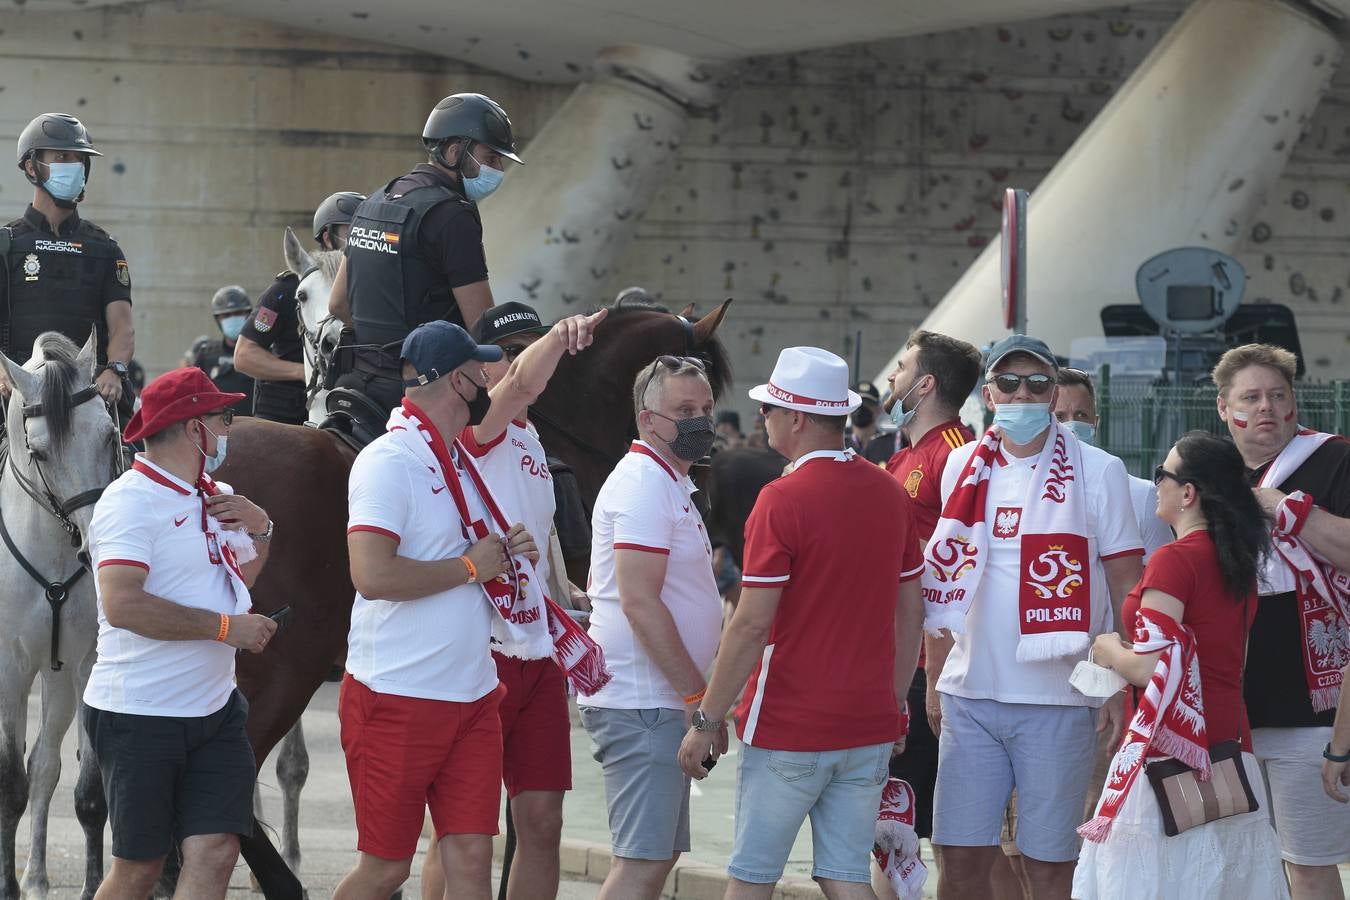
(863, 416)
(694, 436)
(478, 406)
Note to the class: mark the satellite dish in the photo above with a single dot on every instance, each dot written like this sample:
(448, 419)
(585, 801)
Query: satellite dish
(1191, 290)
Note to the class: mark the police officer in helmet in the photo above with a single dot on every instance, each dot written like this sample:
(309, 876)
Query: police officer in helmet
(269, 350)
(415, 250)
(61, 272)
(231, 308)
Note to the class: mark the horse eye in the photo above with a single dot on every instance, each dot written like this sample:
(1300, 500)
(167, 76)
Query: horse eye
(37, 454)
(301, 296)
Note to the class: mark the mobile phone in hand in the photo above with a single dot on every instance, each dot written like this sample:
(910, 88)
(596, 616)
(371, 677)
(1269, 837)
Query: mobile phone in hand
(282, 617)
(709, 762)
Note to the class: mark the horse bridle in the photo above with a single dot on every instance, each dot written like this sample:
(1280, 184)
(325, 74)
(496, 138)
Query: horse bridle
(313, 348)
(46, 497)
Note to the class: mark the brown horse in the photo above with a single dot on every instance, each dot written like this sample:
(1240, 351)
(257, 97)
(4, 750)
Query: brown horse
(299, 475)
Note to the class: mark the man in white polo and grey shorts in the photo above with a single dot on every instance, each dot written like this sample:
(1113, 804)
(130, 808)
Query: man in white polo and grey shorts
(657, 615)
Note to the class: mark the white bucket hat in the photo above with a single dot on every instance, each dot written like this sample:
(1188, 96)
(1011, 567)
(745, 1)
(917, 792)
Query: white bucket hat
(809, 379)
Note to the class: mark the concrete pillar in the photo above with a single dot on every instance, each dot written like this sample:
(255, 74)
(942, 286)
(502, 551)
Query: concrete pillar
(556, 229)
(1181, 155)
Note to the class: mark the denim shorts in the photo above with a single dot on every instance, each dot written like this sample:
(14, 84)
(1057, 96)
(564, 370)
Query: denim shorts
(645, 790)
(777, 790)
(986, 748)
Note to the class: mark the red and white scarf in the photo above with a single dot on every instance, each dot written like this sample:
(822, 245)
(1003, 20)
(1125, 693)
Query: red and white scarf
(1321, 590)
(1055, 610)
(517, 596)
(896, 845)
(1170, 720)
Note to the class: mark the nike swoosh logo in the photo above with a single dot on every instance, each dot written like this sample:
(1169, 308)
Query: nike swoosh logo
(438, 490)
(177, 522)
(686, 509)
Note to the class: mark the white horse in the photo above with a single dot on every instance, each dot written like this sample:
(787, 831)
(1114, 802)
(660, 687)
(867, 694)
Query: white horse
(63, 450)
(319, 331)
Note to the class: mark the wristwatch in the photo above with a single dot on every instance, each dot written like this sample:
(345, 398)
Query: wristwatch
(119, 368)
(702, 723)
(266, 535)
(1325, 753)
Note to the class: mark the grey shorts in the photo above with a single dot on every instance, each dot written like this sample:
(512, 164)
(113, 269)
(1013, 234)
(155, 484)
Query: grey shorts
(167, 778)
(646, 792)
(1314, 830)
(986, 748)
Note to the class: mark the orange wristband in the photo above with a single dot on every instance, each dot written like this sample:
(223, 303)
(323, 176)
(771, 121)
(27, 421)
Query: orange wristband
(224, 627)
(470, 568)
(694, 698)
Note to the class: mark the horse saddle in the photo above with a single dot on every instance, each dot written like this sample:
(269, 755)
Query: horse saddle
(353, 417)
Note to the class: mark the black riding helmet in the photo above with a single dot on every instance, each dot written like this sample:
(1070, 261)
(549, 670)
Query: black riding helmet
(471, 116)
(337, 209)
(55, 131)
(229, 300)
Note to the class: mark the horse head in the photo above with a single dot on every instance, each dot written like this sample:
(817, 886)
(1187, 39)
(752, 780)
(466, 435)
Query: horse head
(586, 415)
(319, 331)
(63, 445)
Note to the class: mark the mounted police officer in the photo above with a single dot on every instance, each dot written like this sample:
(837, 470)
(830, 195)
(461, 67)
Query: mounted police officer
(231, 308)
(61, 272)
(415, 251)
(269, 350)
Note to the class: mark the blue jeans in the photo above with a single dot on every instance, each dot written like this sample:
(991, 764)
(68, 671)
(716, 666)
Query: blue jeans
(776, 790)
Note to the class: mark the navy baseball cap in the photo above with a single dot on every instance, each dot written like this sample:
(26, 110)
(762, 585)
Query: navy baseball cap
(438, 348)
(1021, 343)
(507, 319)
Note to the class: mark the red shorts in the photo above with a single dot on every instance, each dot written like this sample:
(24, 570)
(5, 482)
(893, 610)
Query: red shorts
(406, 755)
(536, 726)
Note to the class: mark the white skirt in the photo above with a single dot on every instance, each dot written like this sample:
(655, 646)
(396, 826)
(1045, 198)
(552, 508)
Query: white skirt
(1234, 858)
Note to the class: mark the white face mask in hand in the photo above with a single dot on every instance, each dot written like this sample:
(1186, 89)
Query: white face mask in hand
(1092, 680)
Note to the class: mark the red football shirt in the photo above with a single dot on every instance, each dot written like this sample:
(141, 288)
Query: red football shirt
(919, 470)
(837, 535)
(1188, 569)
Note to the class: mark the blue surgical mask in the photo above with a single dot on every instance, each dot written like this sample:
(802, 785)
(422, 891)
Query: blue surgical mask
(65, 181)
(901, 416)
(232, 327)
(1022, 422)
(483, 184)
(218, 460)
(1085, 433)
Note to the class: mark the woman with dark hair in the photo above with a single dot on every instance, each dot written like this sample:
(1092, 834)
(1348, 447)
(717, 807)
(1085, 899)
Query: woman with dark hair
(1189, 617)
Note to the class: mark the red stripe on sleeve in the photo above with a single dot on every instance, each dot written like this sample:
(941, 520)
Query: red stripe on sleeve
(1138, 551)
(124, 562)
(375, 529)
(642, 547)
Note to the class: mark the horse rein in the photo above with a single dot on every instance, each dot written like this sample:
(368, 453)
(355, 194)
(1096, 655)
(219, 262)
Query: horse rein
(313, 349)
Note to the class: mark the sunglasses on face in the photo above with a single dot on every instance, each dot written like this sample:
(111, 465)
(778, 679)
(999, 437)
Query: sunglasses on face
(1009, 382)
(1160, 473)
(765, 409)
(511, 351)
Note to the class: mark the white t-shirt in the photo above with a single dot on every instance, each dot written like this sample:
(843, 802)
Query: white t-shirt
(645, 505)
(983, 665)
(515, 469)
(1154, 531)
(152, 519)
(435, 647)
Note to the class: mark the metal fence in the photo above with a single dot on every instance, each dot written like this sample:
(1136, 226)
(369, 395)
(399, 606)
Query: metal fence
(1140, 420)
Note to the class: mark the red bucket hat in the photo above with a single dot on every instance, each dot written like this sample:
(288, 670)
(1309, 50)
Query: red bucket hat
(176, 397)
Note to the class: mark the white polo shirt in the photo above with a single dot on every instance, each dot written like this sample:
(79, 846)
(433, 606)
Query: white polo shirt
(151, 519)
(983, 664)
(645, 505)
(435, 647)
(515, 469)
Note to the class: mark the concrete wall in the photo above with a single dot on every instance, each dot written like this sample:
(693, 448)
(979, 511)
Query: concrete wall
(836, 191)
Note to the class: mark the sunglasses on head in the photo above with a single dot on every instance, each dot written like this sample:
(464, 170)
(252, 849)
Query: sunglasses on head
(1008, 382)
(674, 364)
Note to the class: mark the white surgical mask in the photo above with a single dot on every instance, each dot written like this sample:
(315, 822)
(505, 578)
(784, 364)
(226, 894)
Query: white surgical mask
(480, 186)
(1084, 431)
(65, 181)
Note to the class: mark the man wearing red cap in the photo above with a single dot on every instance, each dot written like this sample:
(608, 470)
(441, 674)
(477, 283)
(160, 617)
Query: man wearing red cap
(175, 553)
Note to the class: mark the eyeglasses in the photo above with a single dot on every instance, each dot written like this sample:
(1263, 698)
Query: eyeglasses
(766, 408)
(1008, 382)
(674, 364)
(1160, 473)
(226, 416)
(511, 351)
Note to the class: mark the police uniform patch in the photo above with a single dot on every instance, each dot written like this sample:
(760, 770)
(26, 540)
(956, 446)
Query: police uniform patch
(31, 267)
(912, 483)
(264, 319)
(123, 273)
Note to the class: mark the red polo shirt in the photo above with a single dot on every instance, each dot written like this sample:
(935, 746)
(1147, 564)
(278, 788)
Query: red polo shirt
(837, 535)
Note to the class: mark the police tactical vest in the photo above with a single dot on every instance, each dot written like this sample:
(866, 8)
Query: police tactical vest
(217, 361)
(392, 288)
(57, 284)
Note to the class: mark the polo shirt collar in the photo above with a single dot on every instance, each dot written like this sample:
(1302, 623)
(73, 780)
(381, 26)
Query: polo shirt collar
(642, 448)
(161, 476)
(836, 455)
(39, 221)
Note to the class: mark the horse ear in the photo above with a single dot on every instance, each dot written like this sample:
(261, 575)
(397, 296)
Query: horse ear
(87, 359)
(25, 383)
(705, 327)
(688, 310)
(297, 260)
